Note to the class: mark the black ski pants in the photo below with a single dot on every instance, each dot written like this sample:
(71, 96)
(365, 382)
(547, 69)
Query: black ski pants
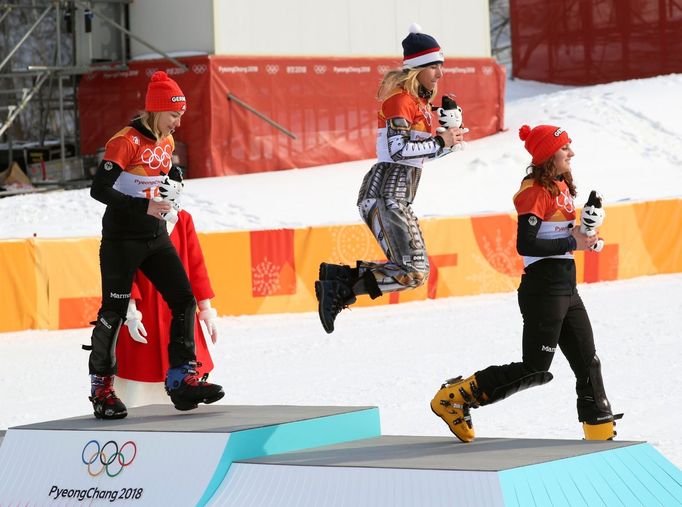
(548, 322)
(158, 259)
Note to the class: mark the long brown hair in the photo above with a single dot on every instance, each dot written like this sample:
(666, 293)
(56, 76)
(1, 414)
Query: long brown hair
(545, 174)
(404, 79)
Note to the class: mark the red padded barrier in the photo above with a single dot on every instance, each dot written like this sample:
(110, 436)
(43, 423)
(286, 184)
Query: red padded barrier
(327, 103)
(582, 42)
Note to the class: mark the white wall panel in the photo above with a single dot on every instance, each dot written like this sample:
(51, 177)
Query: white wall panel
(308, 27)
(172, 25)
(349, 27)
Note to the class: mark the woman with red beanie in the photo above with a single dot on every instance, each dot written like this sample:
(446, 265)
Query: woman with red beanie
(553, 312)
(139, 185)
(405, 140)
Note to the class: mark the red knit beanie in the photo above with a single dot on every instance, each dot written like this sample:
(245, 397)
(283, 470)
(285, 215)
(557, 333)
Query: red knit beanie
(543, 141)
(164, 94)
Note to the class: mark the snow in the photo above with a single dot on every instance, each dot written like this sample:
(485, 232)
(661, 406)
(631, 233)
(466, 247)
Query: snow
(395, 357)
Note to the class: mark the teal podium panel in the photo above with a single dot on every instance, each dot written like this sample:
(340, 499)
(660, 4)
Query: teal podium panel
(405, 471)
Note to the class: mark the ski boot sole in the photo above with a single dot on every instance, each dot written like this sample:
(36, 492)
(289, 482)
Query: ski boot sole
(184, 407)
(120, 415)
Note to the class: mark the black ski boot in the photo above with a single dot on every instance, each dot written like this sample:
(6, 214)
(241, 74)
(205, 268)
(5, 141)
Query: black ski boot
(339, 273)
(332, 296)
(187, 390)
(105, 403)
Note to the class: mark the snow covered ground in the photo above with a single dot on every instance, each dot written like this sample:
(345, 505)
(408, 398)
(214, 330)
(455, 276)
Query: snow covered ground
(627, 146)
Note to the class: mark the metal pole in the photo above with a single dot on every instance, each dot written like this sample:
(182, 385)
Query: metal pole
(26, 35)
(260, 115)
(22, 105)
(6, 13)
(124, 55)
(132, 35)
(60, 89)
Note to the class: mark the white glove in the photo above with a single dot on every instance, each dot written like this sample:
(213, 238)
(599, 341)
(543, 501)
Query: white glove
(134, 323)
(208, 316)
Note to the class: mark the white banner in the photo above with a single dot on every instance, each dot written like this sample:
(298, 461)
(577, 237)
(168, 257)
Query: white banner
(47, 467)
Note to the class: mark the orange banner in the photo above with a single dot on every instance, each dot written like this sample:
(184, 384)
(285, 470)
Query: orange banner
(55, 283)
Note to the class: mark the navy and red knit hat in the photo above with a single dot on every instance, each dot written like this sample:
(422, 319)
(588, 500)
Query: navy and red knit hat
(420, 50)
(164, 94)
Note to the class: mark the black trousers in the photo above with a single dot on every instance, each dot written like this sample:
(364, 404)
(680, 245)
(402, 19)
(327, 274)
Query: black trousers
(158, 259)
(548, 322)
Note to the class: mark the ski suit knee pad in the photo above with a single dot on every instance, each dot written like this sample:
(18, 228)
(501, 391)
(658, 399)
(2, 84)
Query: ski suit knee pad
(593, 405)
(103, 344)
(181, 345)
(537, 378)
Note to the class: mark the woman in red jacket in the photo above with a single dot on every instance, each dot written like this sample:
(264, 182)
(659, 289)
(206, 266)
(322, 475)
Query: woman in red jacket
(142, 348)
(554, 316)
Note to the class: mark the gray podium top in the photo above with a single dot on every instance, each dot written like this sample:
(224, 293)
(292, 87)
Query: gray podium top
(440, 453)
(205, 419)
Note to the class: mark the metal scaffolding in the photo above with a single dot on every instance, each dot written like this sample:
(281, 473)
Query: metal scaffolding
(38, 93)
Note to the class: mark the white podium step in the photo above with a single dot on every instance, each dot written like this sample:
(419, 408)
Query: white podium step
(402, 471)
(159, 456)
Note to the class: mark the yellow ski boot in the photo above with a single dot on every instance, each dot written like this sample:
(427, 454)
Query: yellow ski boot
(453, 402)
(601, 431)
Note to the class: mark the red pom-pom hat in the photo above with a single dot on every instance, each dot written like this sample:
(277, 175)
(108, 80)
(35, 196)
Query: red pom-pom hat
(164, 94)
(543, 141)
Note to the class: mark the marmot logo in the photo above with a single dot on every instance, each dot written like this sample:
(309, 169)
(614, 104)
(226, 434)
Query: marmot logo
(181, 98)
(114, 295)
(545, 348)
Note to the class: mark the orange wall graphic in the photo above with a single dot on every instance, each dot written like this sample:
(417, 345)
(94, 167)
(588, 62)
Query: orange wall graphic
(273, 270)
(55, 283)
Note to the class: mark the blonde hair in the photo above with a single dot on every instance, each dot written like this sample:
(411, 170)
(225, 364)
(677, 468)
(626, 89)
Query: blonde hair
(404, 79)
(151, 120)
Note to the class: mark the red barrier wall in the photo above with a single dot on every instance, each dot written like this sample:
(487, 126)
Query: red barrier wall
(595, 41)
(327, 103)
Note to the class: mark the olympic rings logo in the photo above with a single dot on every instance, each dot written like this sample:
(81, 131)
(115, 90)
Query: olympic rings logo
(159, 157)
(565, 201)
(108, 458)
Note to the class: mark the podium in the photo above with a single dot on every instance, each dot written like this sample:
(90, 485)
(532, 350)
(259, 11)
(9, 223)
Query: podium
(280, 456)
(159, 456)
(402, 471)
